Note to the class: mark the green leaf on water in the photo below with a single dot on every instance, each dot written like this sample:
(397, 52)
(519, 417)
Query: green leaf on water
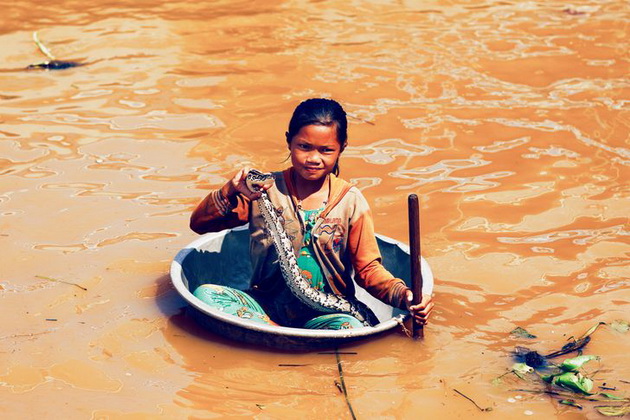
(521, 369)
(613, 410)
(591, 330)
(522, 332)
(574, 363)
(613, 396)
(620, 325)
(574, 381)
(572, 403)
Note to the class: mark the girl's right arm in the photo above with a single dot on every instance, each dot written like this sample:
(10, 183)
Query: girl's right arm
(224, 208)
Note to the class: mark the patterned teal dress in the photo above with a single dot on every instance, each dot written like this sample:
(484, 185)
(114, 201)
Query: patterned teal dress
(283, 307)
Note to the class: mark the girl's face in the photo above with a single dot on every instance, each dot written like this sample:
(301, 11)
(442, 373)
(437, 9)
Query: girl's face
(314, 151)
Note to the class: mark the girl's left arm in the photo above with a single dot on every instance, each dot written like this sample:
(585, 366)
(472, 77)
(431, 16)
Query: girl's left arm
(366, 260)
(375, 278)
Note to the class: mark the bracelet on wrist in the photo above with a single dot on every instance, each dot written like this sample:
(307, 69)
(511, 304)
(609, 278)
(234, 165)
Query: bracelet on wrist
(222, 203)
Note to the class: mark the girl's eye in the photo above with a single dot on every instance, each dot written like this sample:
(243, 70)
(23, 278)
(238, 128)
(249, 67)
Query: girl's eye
(303, 146)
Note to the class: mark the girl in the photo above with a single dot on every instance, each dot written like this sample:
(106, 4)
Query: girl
(327, 219)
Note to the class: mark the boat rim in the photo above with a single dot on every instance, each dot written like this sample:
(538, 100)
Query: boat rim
(178, 283)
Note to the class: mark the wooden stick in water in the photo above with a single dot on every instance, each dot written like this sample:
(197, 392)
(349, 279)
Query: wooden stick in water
(414, 255)
(342, 385)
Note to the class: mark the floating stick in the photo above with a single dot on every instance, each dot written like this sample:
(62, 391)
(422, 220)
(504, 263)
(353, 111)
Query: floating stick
(473, 401)
(61, 281)
(42, 47)
(342, 385)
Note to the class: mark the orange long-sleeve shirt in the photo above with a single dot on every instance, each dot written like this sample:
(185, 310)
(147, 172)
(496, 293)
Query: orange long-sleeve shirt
(344, 237)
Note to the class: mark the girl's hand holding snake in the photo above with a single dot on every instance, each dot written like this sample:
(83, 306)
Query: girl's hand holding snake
(237, 185)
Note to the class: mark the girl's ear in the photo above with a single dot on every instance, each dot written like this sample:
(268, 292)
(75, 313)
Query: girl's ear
(286, 134)
(343, 147)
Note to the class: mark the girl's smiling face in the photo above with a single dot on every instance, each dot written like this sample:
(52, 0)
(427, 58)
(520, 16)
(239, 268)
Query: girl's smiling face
(314, 151)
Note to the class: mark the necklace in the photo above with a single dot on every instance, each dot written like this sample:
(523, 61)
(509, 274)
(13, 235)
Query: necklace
(299, 204)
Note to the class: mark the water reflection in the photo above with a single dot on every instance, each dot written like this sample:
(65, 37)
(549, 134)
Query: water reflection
(443, 172)
(579, 236)
(386, 151)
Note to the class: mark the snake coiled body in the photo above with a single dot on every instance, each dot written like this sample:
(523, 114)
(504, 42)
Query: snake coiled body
(297, 283)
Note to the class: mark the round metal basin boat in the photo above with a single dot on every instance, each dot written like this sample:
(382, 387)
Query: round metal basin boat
(223, 258)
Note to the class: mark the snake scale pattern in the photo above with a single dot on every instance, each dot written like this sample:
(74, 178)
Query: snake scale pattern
(298, 285)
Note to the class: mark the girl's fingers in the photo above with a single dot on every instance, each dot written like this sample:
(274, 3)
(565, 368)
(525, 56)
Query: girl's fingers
(244, 172)
(424, 310)
(238, 185)
(426, 301)
(421, 313)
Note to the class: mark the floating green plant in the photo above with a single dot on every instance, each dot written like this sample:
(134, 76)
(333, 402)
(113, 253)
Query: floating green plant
(614, 410)
(573, 381)
(566, 381)
(575, 363)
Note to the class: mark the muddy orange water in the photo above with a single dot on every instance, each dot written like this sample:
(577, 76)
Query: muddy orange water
(509, 119)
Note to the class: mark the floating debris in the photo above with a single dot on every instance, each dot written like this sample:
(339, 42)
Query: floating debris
(530, 357)
(521, 332)
(613, 397)
(61, 281)
(576, 344)
(613, 410)
(521, 369)
(573, 364)
(52, 63)
(579, 10)
(568, 374)
(572, 403)
(573, 381)
(537, 360)
(473, 401)
(620, 325)
(342, 384)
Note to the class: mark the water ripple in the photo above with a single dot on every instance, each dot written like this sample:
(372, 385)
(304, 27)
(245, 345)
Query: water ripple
(442, 172)
(579, 236)
(386, 151)
(553, 126)
(153, 119)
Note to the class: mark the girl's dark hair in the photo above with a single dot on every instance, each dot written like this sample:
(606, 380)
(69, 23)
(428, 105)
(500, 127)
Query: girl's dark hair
(319, 111)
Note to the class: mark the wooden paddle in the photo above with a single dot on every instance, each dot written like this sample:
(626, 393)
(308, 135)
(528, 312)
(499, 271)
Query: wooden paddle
(414, 255)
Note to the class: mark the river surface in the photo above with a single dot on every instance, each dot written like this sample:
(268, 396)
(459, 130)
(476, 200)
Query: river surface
(509, 119)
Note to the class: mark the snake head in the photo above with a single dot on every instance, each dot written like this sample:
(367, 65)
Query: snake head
(256, 180)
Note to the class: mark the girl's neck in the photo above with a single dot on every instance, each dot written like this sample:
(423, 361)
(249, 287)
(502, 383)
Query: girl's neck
(311, 195)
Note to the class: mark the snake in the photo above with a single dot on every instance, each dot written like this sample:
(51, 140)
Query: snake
(299, 286)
